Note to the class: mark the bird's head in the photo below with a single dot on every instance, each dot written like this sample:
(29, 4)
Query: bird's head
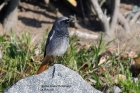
(61, 22)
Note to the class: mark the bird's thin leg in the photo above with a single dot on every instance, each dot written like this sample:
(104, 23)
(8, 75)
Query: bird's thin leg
(53, 58)
(59, 62)
(52, 61)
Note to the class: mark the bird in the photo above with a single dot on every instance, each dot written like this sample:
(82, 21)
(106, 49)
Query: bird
(57, 41)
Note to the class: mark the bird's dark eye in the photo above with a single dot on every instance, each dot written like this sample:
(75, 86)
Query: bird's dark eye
(67, 21)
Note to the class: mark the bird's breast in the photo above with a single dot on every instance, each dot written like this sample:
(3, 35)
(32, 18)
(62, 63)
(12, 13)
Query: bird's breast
(57, 46)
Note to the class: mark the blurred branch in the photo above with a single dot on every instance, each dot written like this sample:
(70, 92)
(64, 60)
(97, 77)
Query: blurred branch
(102, 2)
(123, 22)
(115, 15)
(102, 17)
(109, 27)
(11, 15)
(133, 20)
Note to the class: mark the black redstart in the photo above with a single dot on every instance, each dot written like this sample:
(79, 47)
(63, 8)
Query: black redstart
(57, 42)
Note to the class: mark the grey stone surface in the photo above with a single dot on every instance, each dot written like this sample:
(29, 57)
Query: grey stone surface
(56, 79)
(115, 89)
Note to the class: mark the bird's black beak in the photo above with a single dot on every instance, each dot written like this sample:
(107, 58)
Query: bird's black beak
(69, 20)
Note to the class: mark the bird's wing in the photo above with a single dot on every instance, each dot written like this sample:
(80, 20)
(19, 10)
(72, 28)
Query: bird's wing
(50, 36)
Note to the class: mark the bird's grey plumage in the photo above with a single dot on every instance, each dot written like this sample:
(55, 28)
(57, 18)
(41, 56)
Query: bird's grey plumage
(58, 38)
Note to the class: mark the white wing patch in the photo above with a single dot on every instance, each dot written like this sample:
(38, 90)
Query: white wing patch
(52, 35)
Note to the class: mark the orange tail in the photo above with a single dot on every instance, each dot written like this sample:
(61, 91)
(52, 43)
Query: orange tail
(44, 64)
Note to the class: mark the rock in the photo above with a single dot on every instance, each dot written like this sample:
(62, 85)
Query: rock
(115, 89)
(56, 79)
